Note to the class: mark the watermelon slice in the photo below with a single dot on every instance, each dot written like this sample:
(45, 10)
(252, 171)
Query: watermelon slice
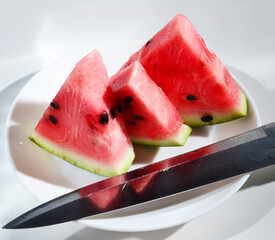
(78, 127)
(149, 116)
(192, 77)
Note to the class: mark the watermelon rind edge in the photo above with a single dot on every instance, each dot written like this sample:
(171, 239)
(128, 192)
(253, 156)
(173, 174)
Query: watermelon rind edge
(82, 161)
(177, 139)
(241, 111)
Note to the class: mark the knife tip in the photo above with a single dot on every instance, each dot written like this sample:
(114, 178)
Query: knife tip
(8, 226)
(14, 224)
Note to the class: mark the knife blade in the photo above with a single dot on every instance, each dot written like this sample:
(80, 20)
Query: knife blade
(234, 156)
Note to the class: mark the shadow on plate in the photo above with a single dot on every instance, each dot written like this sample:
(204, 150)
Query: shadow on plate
(260, 177)
(201, 131)
(86, 233)
(144, 155)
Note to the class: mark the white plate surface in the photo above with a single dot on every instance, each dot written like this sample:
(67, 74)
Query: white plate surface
(47, 176)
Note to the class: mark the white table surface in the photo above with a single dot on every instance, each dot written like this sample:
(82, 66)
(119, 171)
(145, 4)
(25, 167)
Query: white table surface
(242, 33)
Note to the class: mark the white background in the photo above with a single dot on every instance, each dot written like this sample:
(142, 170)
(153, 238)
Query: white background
(242, 33)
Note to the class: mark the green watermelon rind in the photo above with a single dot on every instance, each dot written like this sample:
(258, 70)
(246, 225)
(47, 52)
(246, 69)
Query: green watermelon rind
(195, 121)
(177, 139)
(82, 161)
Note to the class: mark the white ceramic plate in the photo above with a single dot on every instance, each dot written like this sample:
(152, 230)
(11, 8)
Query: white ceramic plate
(47, 176)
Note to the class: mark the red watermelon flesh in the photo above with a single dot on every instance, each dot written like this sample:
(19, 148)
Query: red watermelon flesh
(192, 77)
(102, 201)
(149, 116)
(77, 125)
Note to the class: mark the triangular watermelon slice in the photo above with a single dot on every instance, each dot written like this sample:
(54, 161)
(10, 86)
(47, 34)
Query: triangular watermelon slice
(192, 77)
(149, 116)
(78, 127)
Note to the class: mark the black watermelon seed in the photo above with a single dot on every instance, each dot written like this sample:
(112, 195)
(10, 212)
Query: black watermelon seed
(127, 105)
(138, 117)
(128, 99)
(104, 118)
(126, 66)
(191, 98)
(132, 123)
(53, 119)
(113, 113)
(54, 105)
(119, 108)
(148, 43)
(206, 118)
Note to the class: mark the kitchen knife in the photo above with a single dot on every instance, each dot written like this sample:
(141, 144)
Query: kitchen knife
(228, 158)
